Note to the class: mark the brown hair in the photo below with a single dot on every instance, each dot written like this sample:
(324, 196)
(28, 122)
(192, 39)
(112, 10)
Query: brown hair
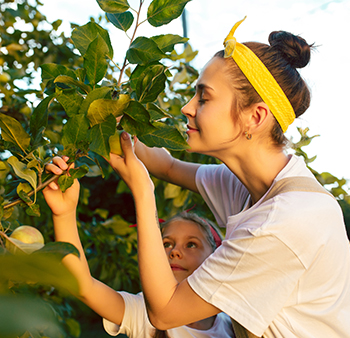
(286, 53)
(205, 224)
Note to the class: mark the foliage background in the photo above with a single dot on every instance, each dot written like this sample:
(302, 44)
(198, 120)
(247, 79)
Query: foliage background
(106, 208)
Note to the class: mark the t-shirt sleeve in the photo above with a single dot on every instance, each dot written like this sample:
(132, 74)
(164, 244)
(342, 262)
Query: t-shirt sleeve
(250, 279)
(221, 190)
(135, 321)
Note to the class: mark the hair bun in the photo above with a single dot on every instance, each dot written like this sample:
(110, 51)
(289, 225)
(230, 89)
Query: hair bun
(294, 49)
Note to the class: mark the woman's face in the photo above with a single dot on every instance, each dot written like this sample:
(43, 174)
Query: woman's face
(211, 128)
(186, 246)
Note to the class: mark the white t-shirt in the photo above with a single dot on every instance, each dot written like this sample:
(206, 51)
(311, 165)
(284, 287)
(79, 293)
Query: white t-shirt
(136, 324)
(283, 269)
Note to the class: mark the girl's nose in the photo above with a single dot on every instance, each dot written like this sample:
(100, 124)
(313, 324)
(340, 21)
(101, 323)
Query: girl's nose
(175, 252)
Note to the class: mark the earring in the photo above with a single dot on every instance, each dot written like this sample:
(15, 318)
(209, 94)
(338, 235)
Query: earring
(247, 135)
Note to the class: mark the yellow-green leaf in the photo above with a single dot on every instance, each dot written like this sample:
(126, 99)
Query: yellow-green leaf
(22, 171)
(12, 131)
(100, 109)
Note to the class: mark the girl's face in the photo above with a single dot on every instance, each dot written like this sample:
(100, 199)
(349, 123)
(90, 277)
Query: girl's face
(186, 246)
(211, 128)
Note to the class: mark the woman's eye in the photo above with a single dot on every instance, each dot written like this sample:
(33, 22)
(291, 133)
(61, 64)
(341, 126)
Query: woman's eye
(191, 245)
(202, 101)
(167, 245)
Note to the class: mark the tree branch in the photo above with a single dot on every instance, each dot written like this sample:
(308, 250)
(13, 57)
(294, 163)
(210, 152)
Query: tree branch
(38, 188)
(131, 40)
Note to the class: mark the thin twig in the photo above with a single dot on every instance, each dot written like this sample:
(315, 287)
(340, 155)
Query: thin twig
(131, 40)
(38, 188)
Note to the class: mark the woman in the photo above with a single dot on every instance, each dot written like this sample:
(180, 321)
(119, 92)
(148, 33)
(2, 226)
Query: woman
(284, 267)
(187, 239)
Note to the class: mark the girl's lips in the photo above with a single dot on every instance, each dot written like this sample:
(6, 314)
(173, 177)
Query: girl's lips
(176, 267)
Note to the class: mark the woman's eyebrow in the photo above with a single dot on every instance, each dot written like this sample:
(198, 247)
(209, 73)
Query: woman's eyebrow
(202, 86)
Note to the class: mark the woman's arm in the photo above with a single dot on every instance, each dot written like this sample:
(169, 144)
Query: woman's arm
(162, 165)
(99, 297)
(169, 303)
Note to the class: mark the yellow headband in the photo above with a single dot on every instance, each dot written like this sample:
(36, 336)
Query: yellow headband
(260, 78)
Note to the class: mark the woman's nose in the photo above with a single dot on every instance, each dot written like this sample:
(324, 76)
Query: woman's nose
(188, 109)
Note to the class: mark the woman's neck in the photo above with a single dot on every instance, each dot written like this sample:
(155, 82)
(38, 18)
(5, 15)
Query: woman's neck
(204, 324)
(257, 170)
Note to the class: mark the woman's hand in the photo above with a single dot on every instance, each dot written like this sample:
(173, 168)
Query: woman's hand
(130, 168)
(60, 203)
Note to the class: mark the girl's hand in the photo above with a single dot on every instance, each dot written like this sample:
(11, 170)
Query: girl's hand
(61, 204)
(130, 168)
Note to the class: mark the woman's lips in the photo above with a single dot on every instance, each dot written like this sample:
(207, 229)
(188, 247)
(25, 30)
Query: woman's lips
(190, 129)
(176, 267)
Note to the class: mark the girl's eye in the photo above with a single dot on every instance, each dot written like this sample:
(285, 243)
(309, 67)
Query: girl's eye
(202, 101)
(167, 244)
(191, 245)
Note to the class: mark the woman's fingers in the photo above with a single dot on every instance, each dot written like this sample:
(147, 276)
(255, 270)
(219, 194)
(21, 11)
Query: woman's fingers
(126, 143)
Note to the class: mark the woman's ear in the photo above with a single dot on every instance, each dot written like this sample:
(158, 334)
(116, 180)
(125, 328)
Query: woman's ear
(257, 117)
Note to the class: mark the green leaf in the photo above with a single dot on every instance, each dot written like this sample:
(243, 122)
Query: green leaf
(167, 42)
(95, 61)
(70, 100)
(100, 134)
(3, 166)
(143, 50)
(22, 171)
(100, 109)
(82, 37)
(57, 250)
(79, 172)
(75, 130)
(136, 119)
(33, 210)
(161, 12)
(122, 21)
(150, 83)
(39, 119)
(23, 187)
(12, 131)
(180, 200)
(73, 327)
(164, 136)
(70, 81)
(114, 6)
(65, 182)
(156, 112)
(98, 93)
(18, 247)
(188, 54)
(24, 196)
(81, 73)
(50, 71)
(171, 190)
(39, 268)
(118, 225)
(30, 314)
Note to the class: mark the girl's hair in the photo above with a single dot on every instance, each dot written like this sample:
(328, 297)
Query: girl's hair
(286, 53)
(205, 225)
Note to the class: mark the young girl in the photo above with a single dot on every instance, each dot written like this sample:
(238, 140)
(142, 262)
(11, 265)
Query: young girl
(284, 267)
(188, 241)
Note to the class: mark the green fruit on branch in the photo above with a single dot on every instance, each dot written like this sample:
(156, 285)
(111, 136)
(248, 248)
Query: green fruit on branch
(114, 143)
(25, 239)
(5, 77)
